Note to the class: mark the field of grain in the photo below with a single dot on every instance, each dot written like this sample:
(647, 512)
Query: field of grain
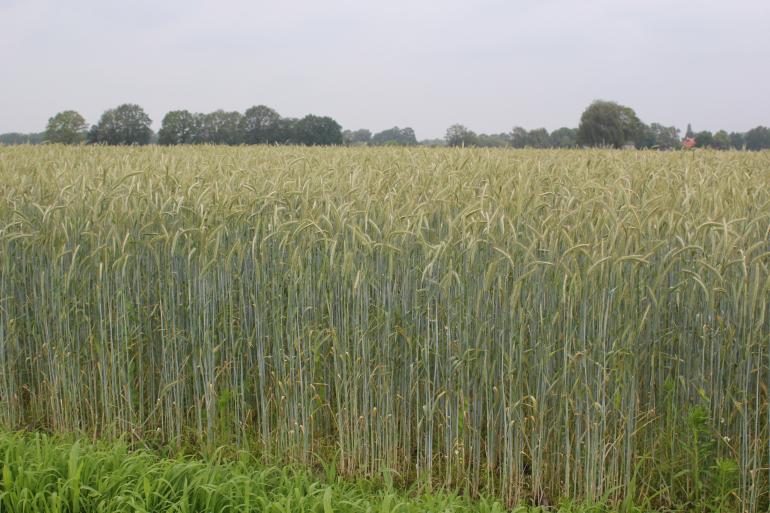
(537, 326)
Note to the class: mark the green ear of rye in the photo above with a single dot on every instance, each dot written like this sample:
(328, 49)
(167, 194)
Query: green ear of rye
(530, 325)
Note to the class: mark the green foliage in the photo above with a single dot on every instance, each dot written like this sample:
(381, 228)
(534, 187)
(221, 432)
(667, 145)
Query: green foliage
(356, 137)
(458, 135)
(50, 474)
(704, 139)
(758, 138)
(564, 137)
(126, 124)
(317, 131)
(493, 140)
(260, 125)
(528, 325)
(396, 136)
(702, 478)
(737, 140)
(42, 474)
(609, 124)
(14, 138)
(519, 137)
(721, 140)
(286, 130)
(433, 143)
(178, 127)
(67, 127)
(538, 138)
(661, 137)
(220, 127)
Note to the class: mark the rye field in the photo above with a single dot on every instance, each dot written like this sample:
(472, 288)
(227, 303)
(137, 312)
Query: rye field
(542, 328)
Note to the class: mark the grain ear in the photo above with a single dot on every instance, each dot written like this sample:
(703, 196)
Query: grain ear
(520, 324)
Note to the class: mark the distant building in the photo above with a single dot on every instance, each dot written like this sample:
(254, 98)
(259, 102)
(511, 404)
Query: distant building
(688, 143)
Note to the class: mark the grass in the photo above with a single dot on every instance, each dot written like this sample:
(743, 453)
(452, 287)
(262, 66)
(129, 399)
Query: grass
(44, 474)
(535, 326)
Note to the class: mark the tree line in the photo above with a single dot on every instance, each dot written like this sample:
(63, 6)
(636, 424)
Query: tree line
(129, 124)
(603, 123)
(609, 124)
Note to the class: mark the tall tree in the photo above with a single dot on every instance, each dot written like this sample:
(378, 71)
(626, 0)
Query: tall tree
(286, 131)
(661, 137)
(758, 138)
(433, 143)
(14, 138)
(737, 140)
(396, 136)
(704, 139)
(66, 127)
(458, 135)
(689, 133)
(721, 140)
(259, 125)
(606, 123)
(407, 136)
(519, 137)
(124, 125)
(221, 127)
(538, 138)
(564, 137)
(318, 131)
(178, 127)
(493, 140)
(356, 137)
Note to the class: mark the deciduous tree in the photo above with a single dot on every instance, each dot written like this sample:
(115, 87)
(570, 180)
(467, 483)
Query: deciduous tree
(399, 136)
(221, 127)
(564, 137)
(606, 123)
(178, 127)
(458, 135)
(67, 127)
(124, 125)
(704, 139)
(356, 137)
(758, 138)
(318, 131)
(260, 125)
(721, 140)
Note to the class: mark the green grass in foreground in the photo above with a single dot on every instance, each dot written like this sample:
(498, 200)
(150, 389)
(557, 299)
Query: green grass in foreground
(50, 474)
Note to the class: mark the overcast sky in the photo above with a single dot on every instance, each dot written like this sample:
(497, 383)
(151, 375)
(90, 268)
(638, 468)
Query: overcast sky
(488, 64)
